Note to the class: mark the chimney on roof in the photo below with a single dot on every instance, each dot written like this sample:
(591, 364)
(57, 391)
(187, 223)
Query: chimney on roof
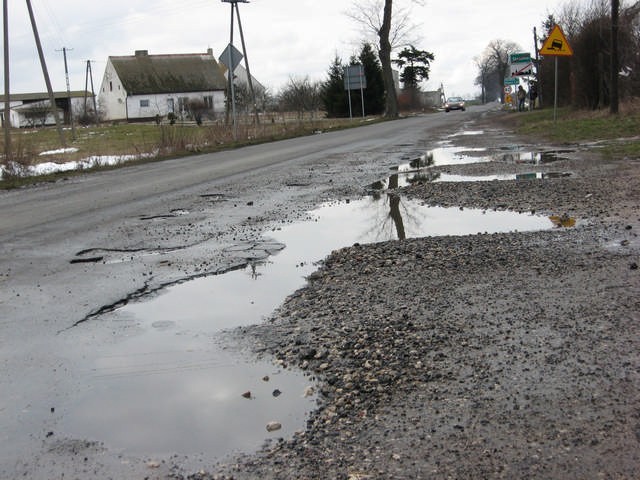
(210, 52)
(142, 53)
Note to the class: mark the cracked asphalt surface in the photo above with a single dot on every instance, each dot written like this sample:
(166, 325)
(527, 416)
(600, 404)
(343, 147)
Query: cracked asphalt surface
(486, 356)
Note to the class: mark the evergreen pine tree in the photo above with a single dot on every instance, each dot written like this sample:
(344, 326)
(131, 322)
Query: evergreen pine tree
(374, 99)
(334, 96)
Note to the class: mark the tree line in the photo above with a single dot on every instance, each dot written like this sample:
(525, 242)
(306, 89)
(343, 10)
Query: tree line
(302, 95)
(605, 66)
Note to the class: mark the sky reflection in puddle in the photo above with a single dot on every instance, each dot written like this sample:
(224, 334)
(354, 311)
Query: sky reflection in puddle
(172, 391)
(418, 169)
(404, 179)
(449, 155)
(391, 217)
(168, 387)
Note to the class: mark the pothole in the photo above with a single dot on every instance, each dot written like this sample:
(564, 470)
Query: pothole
(532, 157)
(418, 169)
(167, 386)
(178, 212)
(405, 179)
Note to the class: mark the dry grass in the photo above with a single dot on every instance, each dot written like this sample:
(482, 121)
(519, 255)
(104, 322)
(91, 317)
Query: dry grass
(148, 141)
(581, 125)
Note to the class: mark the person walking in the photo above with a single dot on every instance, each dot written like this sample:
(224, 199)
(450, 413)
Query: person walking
(533, 95)
(521, 97)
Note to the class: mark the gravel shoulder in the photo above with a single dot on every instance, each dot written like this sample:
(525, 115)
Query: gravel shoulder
(487, 356)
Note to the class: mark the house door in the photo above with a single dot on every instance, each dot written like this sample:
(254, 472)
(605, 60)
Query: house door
(170, 105)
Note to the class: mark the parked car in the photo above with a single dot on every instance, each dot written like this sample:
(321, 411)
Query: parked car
(454, 103)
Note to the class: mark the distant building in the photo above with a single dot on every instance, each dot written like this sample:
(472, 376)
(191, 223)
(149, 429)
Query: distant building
(241, 77)
(433, 99)
(144, 86)
(33, 109)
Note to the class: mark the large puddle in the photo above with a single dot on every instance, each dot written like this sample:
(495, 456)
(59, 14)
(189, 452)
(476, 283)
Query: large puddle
(169, 386)
(418, 169)
(409, 177)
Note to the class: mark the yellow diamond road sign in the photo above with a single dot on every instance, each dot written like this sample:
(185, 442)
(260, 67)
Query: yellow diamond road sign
(556, 44)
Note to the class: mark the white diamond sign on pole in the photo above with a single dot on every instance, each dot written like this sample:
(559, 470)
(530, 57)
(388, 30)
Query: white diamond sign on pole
(231, 57)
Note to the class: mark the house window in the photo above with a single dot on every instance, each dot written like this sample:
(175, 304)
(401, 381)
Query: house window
(208, 102)
(170, 105)
(183, 104)
(111, 86)
(144, 103)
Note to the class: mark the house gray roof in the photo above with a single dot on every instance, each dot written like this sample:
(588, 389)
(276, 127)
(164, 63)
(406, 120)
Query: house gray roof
(32, 97)
(143, 74)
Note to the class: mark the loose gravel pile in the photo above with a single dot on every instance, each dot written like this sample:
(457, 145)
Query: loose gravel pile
(508, 355)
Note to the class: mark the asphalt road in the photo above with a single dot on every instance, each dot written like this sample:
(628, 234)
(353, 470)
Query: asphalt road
(105, 197)
(44, 228)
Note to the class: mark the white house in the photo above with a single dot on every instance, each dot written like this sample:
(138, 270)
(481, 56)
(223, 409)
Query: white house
(144, 86)
(33, 109)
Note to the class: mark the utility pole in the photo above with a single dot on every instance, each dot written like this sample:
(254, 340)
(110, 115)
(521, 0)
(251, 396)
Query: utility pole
(538, 66)
(236, 9)
(7, 96)
(246, 62)
(66, 74)
(230, 76)
(89, 76)
(45, 72)
(615, 14)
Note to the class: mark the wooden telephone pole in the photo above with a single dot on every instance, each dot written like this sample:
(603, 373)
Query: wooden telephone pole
(66, 76)
(615, 15)
(7, 95)
(88, 75)
(234, 7)
(45, 73)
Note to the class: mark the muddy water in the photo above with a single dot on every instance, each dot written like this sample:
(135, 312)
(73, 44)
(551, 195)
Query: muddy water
(169, 386)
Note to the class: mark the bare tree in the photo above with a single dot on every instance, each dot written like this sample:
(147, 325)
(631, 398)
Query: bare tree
(484, 74)
(496, 57)
(301, 95)
(391, 103)
(37, 113)
(368, 14)
(197, 109)
(392, 31)
(599, 73)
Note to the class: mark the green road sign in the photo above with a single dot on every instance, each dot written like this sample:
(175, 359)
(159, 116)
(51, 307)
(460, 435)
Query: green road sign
(520, 58)
(511, 81)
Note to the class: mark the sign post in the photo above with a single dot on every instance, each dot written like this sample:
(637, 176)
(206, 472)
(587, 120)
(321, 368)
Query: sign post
(509, 87)
(556, 45)
(354, 79)
(521, 64)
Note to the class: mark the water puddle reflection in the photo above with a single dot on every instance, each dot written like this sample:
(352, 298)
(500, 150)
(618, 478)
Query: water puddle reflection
(169, 390)
(391, 217)
(418, 169)
(169, 387)
(406, 178)
(466, 133)
(449, 155)
(533, 158)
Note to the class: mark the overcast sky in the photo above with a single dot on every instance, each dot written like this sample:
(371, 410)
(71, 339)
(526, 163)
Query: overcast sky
(284, 38)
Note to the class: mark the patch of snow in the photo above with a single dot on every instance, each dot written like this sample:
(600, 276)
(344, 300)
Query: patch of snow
(46, 168)
(58, 151)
